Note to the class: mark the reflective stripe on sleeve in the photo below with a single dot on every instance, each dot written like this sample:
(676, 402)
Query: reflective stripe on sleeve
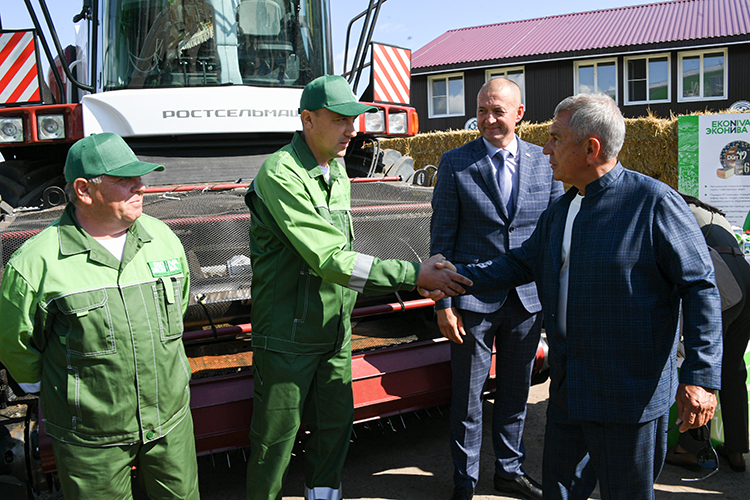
(361, 272)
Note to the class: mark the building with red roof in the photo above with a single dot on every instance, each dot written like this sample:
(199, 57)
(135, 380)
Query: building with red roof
(670, 57)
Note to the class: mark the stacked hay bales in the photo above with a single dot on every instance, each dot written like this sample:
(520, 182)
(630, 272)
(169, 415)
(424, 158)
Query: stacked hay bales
(650, 145)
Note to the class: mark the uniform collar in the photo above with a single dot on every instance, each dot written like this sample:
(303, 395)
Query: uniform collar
(604, 181)
(74, 240)
(308, 161)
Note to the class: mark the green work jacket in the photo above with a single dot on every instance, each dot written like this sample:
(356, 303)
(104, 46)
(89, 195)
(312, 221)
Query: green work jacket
(103, 336)
(305, 274)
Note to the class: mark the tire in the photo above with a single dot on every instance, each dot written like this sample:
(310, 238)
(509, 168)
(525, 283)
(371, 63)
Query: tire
(23, 181)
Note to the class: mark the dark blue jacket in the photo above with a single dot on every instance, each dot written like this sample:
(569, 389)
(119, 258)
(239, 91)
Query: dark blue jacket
(636, 251)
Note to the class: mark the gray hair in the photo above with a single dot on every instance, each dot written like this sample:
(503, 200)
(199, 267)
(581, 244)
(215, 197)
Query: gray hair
(595, 115)
(70, 192)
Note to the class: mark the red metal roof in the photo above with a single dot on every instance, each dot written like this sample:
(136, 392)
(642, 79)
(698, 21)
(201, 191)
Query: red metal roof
(626, 26)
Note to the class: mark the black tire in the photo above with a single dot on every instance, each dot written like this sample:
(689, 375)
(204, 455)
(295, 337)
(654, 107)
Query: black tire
(11, 192)
(23, 181)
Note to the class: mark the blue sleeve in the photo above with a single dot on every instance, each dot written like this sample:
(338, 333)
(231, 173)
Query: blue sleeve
(682, 255)
(445, 214)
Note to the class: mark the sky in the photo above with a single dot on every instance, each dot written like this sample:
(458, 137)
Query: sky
(404, 23)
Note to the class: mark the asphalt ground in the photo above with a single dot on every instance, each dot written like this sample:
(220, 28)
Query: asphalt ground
(408, 459)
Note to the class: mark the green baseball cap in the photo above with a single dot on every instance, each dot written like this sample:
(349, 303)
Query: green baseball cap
(333, 93)
(108, 154)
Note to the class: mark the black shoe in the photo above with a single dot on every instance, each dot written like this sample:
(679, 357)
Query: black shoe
(463, 493)
(736, 460)
(520, 485)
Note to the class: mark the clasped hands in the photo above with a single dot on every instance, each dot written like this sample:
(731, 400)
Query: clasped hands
(438, 279)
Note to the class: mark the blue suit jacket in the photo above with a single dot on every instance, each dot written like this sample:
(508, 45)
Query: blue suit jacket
(469, 220)
(636, 252)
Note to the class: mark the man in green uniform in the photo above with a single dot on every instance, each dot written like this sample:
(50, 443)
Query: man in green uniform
(305, 282)
(92, 310)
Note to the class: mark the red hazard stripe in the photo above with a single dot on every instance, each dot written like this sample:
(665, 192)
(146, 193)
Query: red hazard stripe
(30, 78)
(392, 74)
(14, 40)
(23, 86)
(399, 80)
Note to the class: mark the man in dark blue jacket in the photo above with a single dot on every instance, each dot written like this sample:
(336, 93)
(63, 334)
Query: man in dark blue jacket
(612, 260)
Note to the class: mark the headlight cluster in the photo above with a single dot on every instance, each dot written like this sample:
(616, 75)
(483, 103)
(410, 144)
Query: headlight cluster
(375, 122)
(48, 127)
(397, 123)
(51, 127)
(11, 129)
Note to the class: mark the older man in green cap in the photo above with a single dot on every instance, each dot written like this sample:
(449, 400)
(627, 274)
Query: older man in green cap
(92, 311)
(305, 282)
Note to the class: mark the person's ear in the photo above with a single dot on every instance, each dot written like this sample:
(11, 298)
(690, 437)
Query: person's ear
(82, 188)
(306, 117)
(593, 148)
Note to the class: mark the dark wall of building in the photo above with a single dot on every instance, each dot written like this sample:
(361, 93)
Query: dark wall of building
(547, 83)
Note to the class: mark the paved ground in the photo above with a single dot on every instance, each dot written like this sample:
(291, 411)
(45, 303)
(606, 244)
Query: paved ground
(389, 462)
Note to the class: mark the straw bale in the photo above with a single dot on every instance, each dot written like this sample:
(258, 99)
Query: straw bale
(650, 144)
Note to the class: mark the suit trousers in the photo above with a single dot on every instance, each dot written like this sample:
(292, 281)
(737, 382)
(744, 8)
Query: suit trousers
(515, 333)
(289, 389)
(626, 459)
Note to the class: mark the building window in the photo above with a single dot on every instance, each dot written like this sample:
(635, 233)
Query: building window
(446, 95)
(514, 74)
(647, 79)
(702, 75)
(596, 76)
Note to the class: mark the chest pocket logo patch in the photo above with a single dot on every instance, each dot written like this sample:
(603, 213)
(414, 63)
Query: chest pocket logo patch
(168, 267)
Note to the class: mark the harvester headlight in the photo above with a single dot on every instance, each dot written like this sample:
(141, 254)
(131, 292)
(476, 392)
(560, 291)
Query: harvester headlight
(375, 122)
(11, 129)
(51, 127)
(397, 123)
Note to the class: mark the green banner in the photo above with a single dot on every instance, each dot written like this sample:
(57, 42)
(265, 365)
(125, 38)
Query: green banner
(687, 155)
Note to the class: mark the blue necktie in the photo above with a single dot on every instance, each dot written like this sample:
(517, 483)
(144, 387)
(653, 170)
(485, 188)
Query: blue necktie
(504, 179)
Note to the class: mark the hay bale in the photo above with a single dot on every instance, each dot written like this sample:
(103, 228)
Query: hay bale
(650, 144)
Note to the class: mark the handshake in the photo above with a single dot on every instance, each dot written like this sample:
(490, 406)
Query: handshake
(438, 279)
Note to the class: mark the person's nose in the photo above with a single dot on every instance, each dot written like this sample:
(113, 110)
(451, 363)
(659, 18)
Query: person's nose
(350, 130)
(547, 149)
(138, 186)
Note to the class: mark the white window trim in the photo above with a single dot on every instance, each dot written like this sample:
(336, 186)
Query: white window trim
(701, 53)
(596, 62)
(445, 77)
(626, 80)
(490, 73)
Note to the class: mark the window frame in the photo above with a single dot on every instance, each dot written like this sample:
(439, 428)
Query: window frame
(495, 72)
(702, 53)
(446, 77)
(595, 62)
(626, 78)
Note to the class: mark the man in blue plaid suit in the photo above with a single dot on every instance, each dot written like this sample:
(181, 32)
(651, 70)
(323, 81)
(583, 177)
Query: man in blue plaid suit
(487, 199)
(613, 259)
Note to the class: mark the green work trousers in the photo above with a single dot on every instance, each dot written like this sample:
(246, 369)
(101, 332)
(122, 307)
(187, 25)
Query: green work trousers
(289, 389)
(167, 468)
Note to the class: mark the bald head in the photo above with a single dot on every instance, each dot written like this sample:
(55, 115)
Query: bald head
(502, 86)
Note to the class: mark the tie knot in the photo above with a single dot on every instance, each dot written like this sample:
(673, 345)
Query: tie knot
(502, 154)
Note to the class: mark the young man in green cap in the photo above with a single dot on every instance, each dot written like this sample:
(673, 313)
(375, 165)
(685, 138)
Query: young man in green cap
(92, 311)
(305, 282)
